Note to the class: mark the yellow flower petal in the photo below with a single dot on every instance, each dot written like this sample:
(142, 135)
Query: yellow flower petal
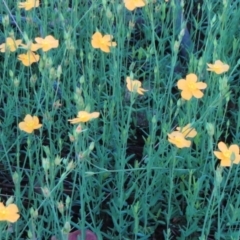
(185, 94)
(94, 115)
(181, 84)
(132, 4)
(222, 147)
(47, 43)
(225, 162)
(96, 38)
(201, 85)
(31, 46)
(187, 131)
(105, 48)
(177, 138)
(29, 4)
(28, 58)
(218, 154)
(191, 77)
(135, 86)
(197, 94)
(107, 38)
(10, 45)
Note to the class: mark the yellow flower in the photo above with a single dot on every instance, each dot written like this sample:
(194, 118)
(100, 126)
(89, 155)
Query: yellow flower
(177, 138)
(187, 131)
(218, 67)
(227, 155)
(132, 4)
(28, 58)
(102, 42)
(47, 43)
(29, 124)
(9, 213)
(31, 46)
(135, 86)
(29, 4)
(10, 44)
(190, 87)
(84, 116)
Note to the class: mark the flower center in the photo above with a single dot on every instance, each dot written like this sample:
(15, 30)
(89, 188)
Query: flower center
(192, 86)
(227, 154)
(3, 212)
(178, 139)
(103, 41)
(30, 124)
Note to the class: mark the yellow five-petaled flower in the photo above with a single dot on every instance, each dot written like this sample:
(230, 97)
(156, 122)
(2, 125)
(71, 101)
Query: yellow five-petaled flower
(218, 67)
(29, 124)
(29, 4)
(102, 42)
(190, 87)
(47, 43)
(132, 4)
(10, 44)
(178, 138)
(84, 116)
(227, 155)
(28, 58)
(9, 213)
(135, 86)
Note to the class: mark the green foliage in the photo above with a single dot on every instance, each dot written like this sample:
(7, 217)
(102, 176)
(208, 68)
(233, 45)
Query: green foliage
(120, 177)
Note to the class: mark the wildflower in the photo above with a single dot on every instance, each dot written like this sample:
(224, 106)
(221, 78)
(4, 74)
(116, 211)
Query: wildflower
(177, 138)
(9, 213)
(227, 155)
(47, 43)
(29, 124)
(135, 86)
(190, 87)
(132, 4)
(30, 46)
(10, 44)
(84, 116)
(28, 58)
(102, 42)
(218, 67)
(29, 4)
(187, 131)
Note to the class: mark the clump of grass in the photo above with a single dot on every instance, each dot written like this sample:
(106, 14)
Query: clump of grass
(152, 153)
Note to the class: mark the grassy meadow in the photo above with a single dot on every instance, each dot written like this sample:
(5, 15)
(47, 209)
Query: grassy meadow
(119, 119)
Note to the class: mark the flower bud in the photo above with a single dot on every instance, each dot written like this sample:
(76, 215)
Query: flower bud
(60, 207)
(67, 228)
(10, 200)
(15, 178)
(210, 129)
(91, 147)
(46, 192)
